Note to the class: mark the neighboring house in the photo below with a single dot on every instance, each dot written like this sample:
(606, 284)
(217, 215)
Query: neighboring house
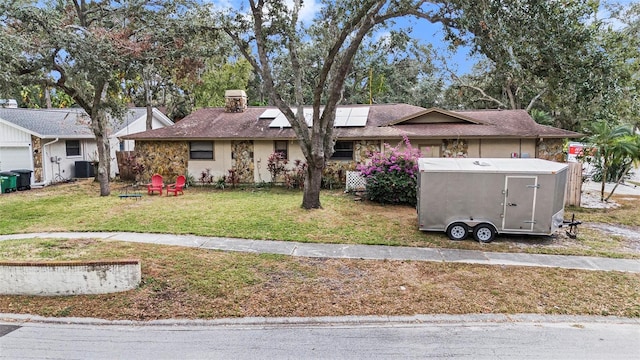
(51, 142)
(242, 138)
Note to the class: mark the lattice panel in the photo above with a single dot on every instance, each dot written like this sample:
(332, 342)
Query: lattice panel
(355, 181)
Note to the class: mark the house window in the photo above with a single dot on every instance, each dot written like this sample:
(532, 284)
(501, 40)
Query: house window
(201, 150)
(73, 147)
(343, 150)
(281, 147)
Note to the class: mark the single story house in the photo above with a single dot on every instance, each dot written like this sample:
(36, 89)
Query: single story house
(242, 138)
(58, 144)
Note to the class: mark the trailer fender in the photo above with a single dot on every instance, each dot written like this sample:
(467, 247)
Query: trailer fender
(470, 222)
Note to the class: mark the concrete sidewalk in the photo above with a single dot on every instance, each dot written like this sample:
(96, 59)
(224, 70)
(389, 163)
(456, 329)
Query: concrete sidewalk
(341, 251)
(622, 189)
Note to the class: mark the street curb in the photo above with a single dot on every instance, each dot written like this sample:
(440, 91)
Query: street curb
(326, 321)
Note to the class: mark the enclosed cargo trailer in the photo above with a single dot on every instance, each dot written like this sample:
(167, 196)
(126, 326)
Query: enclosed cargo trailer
(483, 197)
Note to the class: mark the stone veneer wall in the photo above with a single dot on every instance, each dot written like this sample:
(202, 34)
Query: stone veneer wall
(167, 158)
(455, 148)
(335, 172)
(36, 145)
(362, 149)
(551, 149)
(243, 160)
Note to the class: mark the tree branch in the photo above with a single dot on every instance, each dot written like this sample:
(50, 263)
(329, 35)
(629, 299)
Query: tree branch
(485, 96)
(535, 98)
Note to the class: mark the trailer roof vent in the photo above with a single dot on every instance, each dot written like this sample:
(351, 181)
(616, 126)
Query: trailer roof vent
(481, 163)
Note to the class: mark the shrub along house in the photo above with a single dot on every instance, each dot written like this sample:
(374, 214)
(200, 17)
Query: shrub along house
(242, 138)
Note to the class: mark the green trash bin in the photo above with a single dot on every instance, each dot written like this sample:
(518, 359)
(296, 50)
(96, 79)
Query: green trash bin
(4, 183)
(10, 184)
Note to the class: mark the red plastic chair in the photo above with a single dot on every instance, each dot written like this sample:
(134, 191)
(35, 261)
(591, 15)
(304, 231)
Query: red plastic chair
(177, 186)
(156, 184)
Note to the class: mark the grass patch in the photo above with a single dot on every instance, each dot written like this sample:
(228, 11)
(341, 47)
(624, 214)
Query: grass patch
(193, 283)
(275, 213)
(627, 214)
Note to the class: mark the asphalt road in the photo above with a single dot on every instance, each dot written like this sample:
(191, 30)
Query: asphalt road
(463, 337)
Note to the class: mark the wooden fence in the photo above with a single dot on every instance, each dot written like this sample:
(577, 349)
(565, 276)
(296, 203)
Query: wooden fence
(574, 185)
(124, 165)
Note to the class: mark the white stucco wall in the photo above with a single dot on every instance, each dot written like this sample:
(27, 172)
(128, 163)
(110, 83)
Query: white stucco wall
(503, 148)
(65, 168)
(261, 152)
(263, 149)
(220, 164)
(69, 278)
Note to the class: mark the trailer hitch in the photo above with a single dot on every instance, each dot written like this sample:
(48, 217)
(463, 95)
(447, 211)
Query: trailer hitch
(573, 226)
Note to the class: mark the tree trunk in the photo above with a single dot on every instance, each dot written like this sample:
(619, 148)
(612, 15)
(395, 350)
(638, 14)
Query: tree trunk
(98, 125)
(312, 185)
(47, 97)
(149, 122)
(147, 99)
(604, 178)
(104, 166)
(622, 176)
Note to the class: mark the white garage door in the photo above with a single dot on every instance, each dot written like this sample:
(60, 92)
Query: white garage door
(12, 158)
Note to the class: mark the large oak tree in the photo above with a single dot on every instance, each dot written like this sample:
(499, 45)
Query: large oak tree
(272, 33)
(88, 49)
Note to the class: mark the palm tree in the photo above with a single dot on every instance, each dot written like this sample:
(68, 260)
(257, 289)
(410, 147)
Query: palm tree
(608, 141)
(627, 151)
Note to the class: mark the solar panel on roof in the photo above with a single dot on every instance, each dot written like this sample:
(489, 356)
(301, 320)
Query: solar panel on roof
(270, 114)
(360, 111)
(345, 116)
(342, 116)
(280, 121)
(357, 117)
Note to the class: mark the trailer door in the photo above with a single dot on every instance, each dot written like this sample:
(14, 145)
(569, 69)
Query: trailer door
(519, 203)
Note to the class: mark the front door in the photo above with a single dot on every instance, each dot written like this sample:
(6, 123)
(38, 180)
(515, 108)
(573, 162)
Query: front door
(519, 202)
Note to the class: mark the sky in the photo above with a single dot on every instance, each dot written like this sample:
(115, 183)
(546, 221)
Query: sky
(460, 60)
(422, 29)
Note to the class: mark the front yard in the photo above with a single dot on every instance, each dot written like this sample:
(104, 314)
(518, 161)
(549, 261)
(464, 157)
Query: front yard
(193, 283)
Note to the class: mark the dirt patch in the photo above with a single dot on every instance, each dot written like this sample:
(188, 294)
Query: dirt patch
(630, 233)
(590, 199)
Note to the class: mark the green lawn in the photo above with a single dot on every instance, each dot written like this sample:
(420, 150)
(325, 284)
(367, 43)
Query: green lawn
(275, 213)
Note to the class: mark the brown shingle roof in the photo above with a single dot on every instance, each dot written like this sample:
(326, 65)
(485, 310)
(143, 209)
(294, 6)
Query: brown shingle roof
(382, 123)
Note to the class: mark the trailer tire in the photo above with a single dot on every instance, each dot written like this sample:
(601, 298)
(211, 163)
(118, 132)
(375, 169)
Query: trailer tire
(484, 233)
(457, 231)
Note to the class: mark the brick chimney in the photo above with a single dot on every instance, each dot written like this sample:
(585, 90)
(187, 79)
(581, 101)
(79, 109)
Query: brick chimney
(235, 101)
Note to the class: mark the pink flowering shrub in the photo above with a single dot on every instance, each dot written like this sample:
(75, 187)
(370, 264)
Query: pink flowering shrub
(392, 175)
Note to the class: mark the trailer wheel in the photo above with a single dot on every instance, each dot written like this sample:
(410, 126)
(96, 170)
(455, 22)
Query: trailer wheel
(484, 233)
(457, 231)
